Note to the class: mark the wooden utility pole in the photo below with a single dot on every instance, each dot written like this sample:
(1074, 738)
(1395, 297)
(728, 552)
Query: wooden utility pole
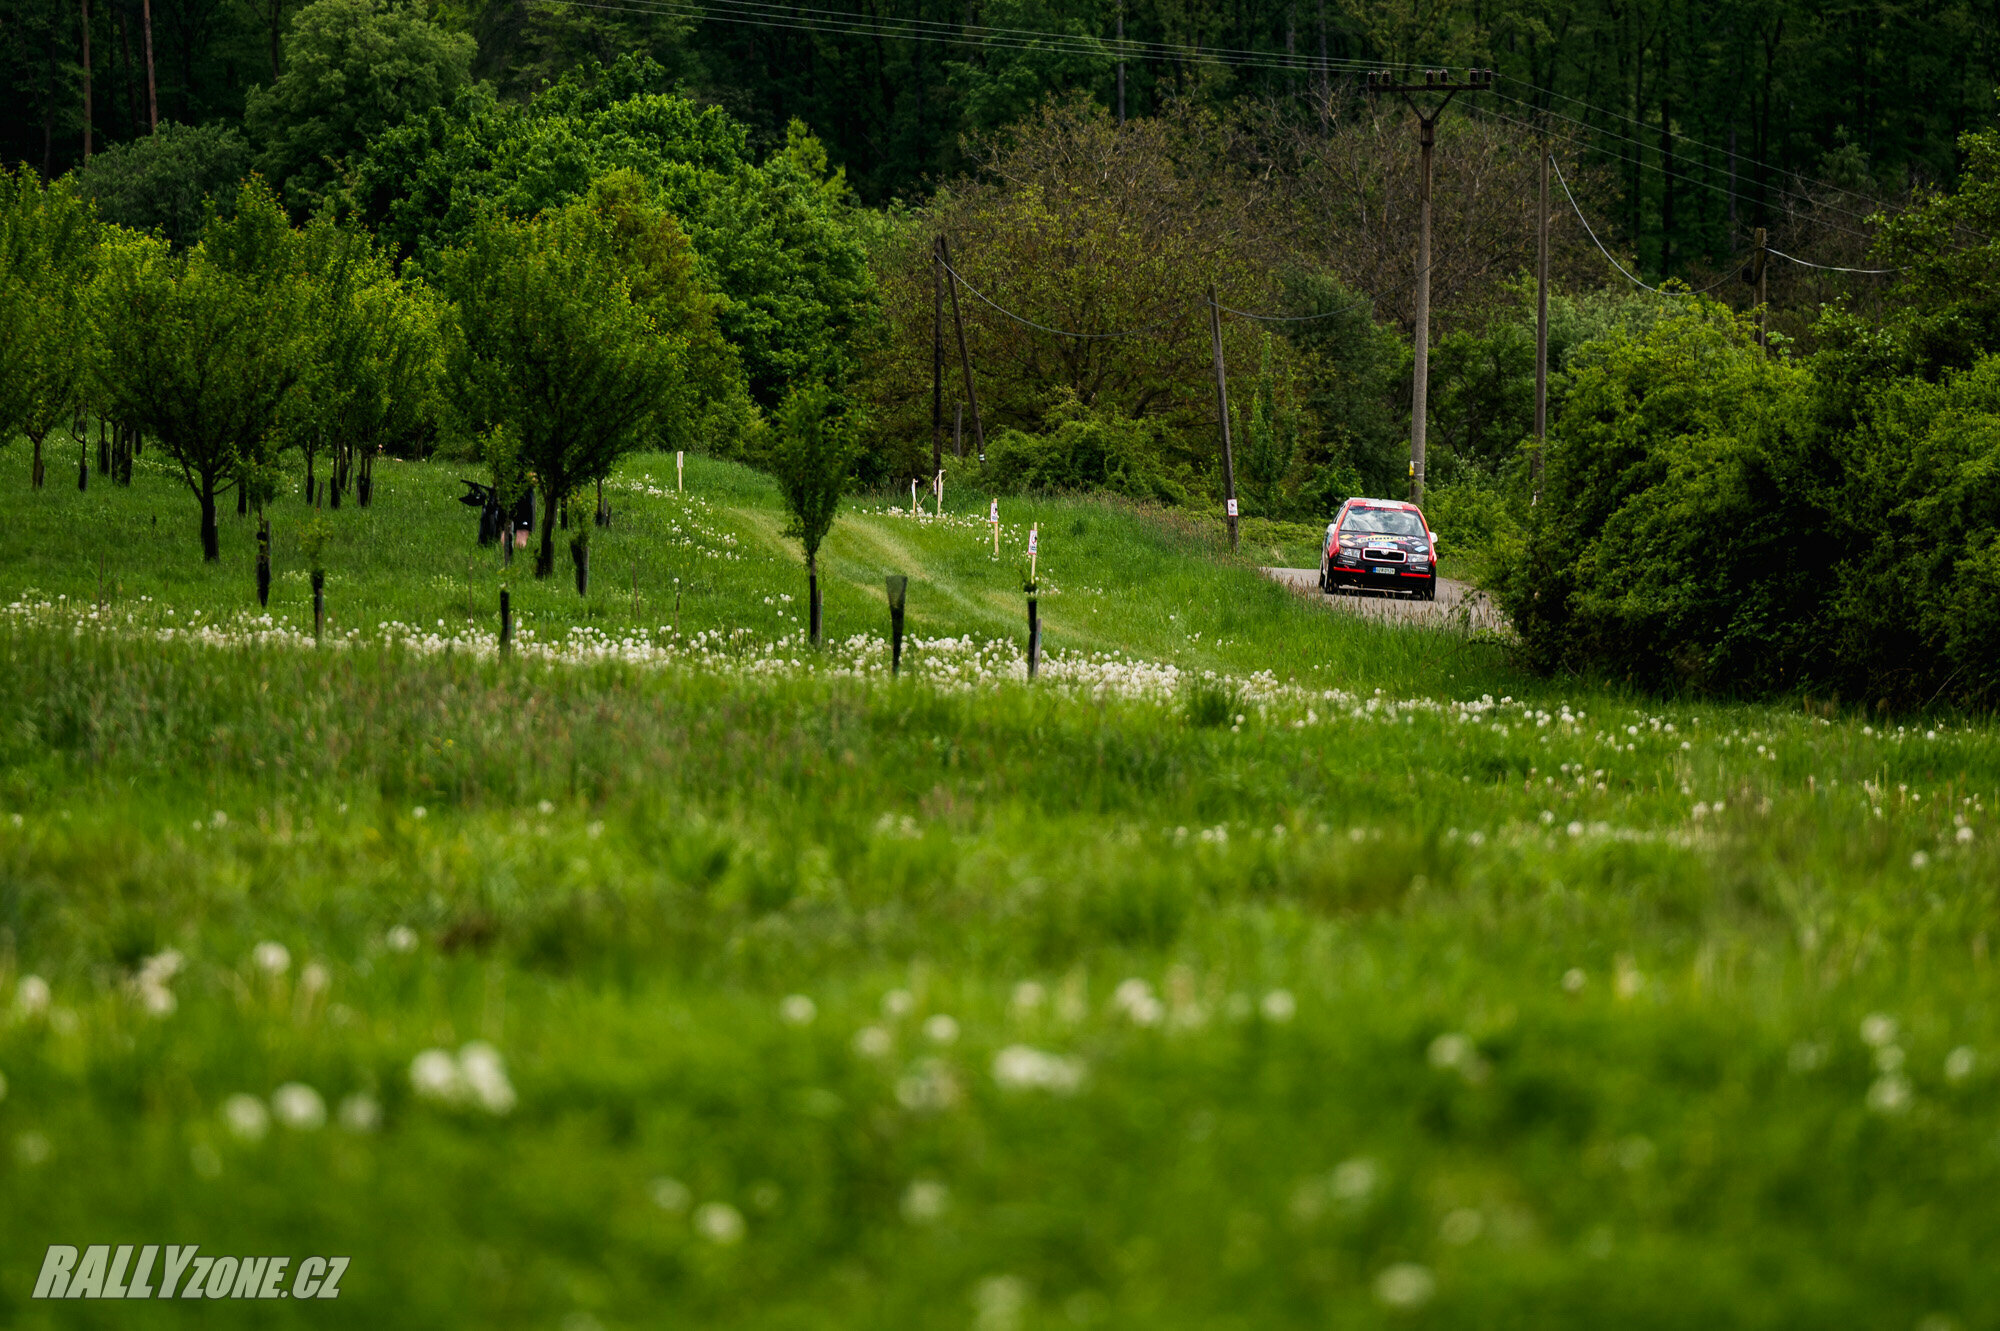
(1222, 414)
(958, 323)
(1435, 81)
(1541, 331)
(937, 353)
(86, 80)
(152, 89)
(1757, 276)
(1121, 66)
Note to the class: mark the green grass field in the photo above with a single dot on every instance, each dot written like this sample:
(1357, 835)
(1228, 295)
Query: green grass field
(1257, 967)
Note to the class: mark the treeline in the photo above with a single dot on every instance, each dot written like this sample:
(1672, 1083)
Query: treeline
(1705, 112)
(1723, 519)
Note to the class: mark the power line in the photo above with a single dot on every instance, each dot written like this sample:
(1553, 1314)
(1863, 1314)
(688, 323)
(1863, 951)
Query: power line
(1690, 139)
(1059, 332)
(1644, 165)
(1636, 281)
(1830, 268)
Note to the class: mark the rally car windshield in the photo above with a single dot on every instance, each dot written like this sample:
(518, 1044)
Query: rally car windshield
(1382, 521)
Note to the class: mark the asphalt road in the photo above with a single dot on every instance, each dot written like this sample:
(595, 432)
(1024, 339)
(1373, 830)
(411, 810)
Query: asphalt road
(1457, 603)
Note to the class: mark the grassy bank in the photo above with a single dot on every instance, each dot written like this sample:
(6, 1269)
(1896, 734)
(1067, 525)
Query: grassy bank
(803, 997)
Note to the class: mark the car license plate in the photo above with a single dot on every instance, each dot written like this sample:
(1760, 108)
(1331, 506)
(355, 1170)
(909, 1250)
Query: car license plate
(1379, 569)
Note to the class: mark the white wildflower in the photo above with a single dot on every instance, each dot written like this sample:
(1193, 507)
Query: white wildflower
(485, 1076)
(1405, 1285)
(246, 1117)
(1019, 1067)
(872, 1042)
(1279, 1006)
(1878, 1029)
(31, 996)
(941, 1029)
(299, 1106)
(1134, 998)
(670, 1194)
(1461, 1227)
(1889, 1095)
(360, 1112)
(719, 1223)
(1958, 1064)
(401, 938)
(434, 1075)
(797, 1010)
(925, 1201)
(898, 1003)
(1574, 979)
(271, 958)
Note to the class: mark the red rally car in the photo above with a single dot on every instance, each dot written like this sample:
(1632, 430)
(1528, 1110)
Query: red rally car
(1381, 544)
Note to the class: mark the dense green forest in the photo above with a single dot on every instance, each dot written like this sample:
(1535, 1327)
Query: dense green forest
(1704, 114)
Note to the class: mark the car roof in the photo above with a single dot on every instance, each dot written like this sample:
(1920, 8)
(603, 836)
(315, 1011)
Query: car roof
(1384, 503)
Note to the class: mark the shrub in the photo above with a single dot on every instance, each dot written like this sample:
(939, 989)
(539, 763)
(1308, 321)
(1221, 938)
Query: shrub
(1087, 450)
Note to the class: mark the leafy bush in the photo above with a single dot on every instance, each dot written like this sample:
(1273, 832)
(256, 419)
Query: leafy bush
(1089, 449)
(1679, 540)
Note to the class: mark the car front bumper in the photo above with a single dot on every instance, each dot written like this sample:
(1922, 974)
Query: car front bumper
(1381, 577)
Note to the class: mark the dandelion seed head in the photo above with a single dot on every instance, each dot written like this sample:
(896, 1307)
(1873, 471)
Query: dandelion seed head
(246, 1118)
(1405, 1286)
(299, 1107)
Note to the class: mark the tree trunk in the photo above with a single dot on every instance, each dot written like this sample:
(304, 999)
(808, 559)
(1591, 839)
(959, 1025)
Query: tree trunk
(152, 86)
(36, 474)
(579, 555)
(83, 464)
(812, 598)
(364, 485)
(242, 496)
(545, 558)
(85, 4)
(211, 539)
(103, 448)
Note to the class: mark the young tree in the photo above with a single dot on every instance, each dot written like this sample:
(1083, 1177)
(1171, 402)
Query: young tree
(546, 341)
(811, 454)
(48, 245)
(200, 349)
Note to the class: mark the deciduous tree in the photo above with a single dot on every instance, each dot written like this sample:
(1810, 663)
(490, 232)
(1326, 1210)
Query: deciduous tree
(200, 349)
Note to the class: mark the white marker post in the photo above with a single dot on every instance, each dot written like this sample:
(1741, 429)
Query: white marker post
(680, 462)
(913, 496)
(938, 484)
(1034, 534)
(993, 516)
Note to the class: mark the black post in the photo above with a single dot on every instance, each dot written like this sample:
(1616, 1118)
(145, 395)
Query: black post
(319, 604)
(1034, 637)
(899, 587)
(506, 622)
(264, 564)
(812, 603)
